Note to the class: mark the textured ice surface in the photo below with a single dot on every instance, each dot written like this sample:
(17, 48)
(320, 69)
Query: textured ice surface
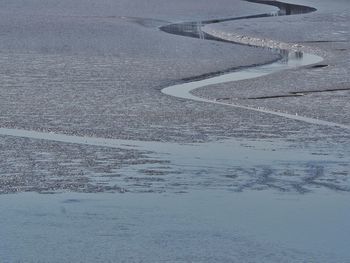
(80, 71)
(46, 166)
(116, 94)
(83, 165)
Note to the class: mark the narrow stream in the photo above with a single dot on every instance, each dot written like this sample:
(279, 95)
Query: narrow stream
(194, 29)
(288, 60)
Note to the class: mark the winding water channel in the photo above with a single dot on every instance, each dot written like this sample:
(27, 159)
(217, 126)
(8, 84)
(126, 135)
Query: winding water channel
(288, 59)
(194, 29)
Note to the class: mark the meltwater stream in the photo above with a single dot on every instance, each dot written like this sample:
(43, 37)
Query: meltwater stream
(194, 29)
(184, 90)
(181, 152)
(289, 59)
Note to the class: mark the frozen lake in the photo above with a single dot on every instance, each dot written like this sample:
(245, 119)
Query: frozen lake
(99, 164)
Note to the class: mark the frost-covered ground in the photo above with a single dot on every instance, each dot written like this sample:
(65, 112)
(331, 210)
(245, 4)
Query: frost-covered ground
(218, 184)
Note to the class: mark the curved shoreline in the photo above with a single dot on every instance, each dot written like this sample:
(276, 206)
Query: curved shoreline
(289, 59)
